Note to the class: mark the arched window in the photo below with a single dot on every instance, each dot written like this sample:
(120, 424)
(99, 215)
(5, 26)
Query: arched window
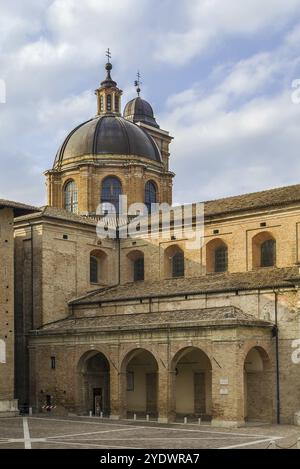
(268, 253)
(178, 265)
(94, 269)
(98, 267)
(101, 103)
(221, 259)
(174, 262)
(71, 197)
(263, 250)
(138, 269)
(108, 102)
(111, 191)
(117, 101)
(150, 195)
(216, 256)
(136, 266)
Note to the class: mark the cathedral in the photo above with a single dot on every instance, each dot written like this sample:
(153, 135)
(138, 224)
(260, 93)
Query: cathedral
(153, 327)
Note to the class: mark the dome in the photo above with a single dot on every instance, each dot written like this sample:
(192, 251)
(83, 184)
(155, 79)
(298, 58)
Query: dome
(139, 110)
(108, 134)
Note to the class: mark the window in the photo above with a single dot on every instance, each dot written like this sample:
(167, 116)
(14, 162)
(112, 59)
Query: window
(221, 259)
(71, 197)
(138, 268)
(117, 107)
(108, 102)
(216, 256)
(110, 194)
(263, 250)
(150, 195)
(94, 269)
(178, 265)
(101, 103)
(53, 363)
(268, 252)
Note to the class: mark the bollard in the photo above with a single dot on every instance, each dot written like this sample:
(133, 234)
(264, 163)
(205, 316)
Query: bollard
(298, 443)
(147, 417)
(199, 421)
(101, 415)
(30, 410)
(272, 445)
(134, 416)
(91, 413)
(185, 420)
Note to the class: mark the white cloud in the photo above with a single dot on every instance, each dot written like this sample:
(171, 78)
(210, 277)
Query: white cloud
(208, 22)
(230, 125)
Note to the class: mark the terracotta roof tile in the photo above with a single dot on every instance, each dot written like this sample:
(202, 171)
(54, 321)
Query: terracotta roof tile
(252, 280)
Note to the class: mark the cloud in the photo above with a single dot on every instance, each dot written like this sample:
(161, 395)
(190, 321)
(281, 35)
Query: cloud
(238, 137)
(226, 102)
(206, 23)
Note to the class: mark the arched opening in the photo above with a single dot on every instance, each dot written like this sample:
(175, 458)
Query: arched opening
(263, 250)
(117, 103)
(216, 256)
(71, 197)
(192, 384)
(93, 371)
(140, 383)
(136, 265)
(258, 386)
(108, 102)
(110, 195)
(98, 266)
(174, 262)
(150, 195)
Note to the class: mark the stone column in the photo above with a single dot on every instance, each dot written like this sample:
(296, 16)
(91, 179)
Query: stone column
(117, 402)
(227, 385)
(166, 398)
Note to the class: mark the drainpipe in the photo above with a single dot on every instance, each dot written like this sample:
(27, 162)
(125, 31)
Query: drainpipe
(277, 360)
(119, 253)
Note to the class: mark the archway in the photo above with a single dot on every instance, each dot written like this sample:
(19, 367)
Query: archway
(140, 383)
(258, 386)
(192, 384)
(93, 373)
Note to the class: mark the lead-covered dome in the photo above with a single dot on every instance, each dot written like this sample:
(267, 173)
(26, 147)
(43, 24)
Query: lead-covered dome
(108, 134)
(139, 110)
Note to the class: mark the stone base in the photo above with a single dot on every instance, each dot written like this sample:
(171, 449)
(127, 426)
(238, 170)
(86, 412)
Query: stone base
(227, 423)
(114, 417)
(297, 419)
(163, 420)
(9, 408)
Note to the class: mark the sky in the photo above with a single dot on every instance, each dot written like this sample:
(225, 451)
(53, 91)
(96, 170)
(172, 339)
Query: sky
(221, 77)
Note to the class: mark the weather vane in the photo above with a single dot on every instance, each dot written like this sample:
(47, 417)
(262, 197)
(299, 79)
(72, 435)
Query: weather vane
(138, 83)
(108, 55)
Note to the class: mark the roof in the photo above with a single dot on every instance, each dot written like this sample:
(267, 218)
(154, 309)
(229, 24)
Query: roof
(108, 135)
(226, 316)
(139, 110)
(211, 283)
(279, 196)
(18, 208)
(60, 214)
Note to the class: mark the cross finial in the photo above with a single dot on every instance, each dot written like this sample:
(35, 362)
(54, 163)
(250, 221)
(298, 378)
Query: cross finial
(138, 83)
(108, 55)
